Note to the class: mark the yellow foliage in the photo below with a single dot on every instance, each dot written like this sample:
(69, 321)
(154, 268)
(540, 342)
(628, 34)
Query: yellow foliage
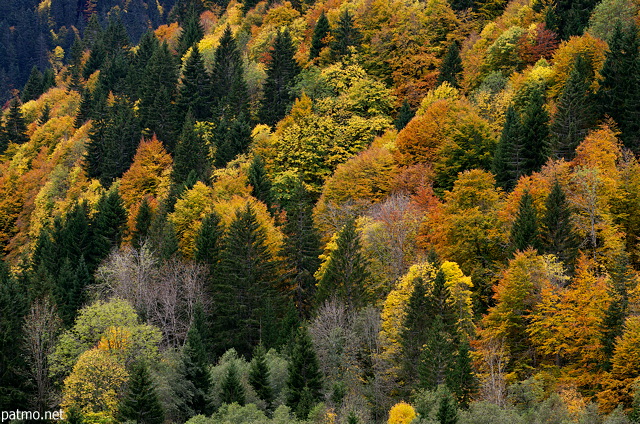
(591, 47)
(116, 340)
(401, 413)
(188, 214)
(459, 287)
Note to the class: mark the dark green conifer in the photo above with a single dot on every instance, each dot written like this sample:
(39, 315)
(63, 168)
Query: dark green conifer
(282, 71)
(259, 377)
(48, 79)
(451, 66)
(45, 115)
(108, 224)
(195, 87)
(191, 155)
(508, 160)
(535, 132)
(346, 35)
(524, 233)
(143, 224)
(196, 366)
(447, 410)
(612, 326)
(140, 403)
(74, 416)
(33, 88)
(209, 244)
(305, 380)
(15, 126)
(92, 32)
(75, 65)
(192, 32)
(232, 390)
(405, 115)
(573, 16)
(230, 95)
(259, 181)
(137, 77)
(232, 137)
(557, 234)
(320, 32)
(84, 110)
(346, 272)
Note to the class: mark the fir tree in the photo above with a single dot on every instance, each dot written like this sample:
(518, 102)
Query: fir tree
(191, 155)
(508, 160)
(557, 234)
(75, 65)
(575, 110)
(209, 244)
(92, 32)
(573, 16)
(33, 88)
(15, 127)
(232, 390)
(196, 366)
(4, 142)
(346, 271)
(405, 115)
(192, 32)
(346, 35)
(451, 66)
(143, 224)
(447, 410)
(232, 137)
(282, 70)
(45, 115)
(612, 326)
(109, 224)
(259, 377)
(305, 380)
(259, 181)
(148, 45)
(230, 95)
(140, 403)
(524, 233)
(535, 132)
(320, 32)
(195, 87)
(48, 80)
(301, 249)
(84, 110)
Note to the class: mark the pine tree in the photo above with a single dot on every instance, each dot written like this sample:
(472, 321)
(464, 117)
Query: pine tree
(92, 32)
(619, 92)
(301, 249)
(148, 45)
(33, 88)
(15, 127)
(405, 115)
(108, 224)
(192, 32)
(447, 410)
(305, 380)
(230, 95)
(612, 326)
(320, 32)
(346, 35)
(75, 65)
(259, 377)
(140, 403)
(557, 235)
(575, 110)
(259, 181)
(508, 160)
(209, 245)
(451, 66)
(524, 233)
(195, 87)
(282, 70)
(535, 132)
(191, 155)
(196, 366)
(143, 224)
(45, 115)
(346, 273)
(232, 137)
(232, 390)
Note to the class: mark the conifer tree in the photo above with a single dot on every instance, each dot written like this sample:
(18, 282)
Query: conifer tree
(451, 66)
(346, 35)
(230, 95)
(75, 65)
(191, 154)
(148, 45)
(92, 32)
(48, 79)
(575, 110)
(140, 403)
(259, 181)
(535, 132)
(15, 127)
(196, 366)
(282, 70)
(508, 160)
(304, 383)
(195, 87)
(192, 32)
(524, 233)
(4, 142)
(209, 244)
(232, 137)
(74, 416)
(405, 115)
(447, 410)
(84, 110)
(346, 273)
(45, 115)
(573, 16)
(619, 92)
(320, 32)
(301, 249)
(232, 390)
(143, 224)
(109, 224)
(33, 88)
(557, 234)
(618, 310)
(259, 377)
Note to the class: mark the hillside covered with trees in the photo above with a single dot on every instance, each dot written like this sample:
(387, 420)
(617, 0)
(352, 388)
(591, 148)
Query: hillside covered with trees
(338, 211)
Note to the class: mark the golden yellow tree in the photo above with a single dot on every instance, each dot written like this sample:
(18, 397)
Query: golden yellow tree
(401, 413)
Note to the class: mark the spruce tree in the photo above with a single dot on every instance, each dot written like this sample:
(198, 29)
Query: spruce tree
(508, 160)
(192, 32)
(535, 132)
(92, 32)
(301, 249)
(209, 245)
(447, 410)
(45, 115)
(259, 377)
(557, 234)
(612, 326)
(232, 137)
(195, 87)
(143, 224)
(282, 71)
(74, 416)
(140, 403)
(346, 35)
(196, 367)
(48, 80)
(148, 45)
(191, 155)
(232, 390)
(259, 181)
(75, 65)
(84, 110)
(33, 88)
(575, 113)
(4, 142)
(320, 32)
(15, 127)
(108, 224)
(573, 16)
(304, 383)
(524, 233)
(346, 273)
(451, 66)
(405, 115)
(230, 95)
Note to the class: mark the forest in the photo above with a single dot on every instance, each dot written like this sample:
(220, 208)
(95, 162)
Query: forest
(320, 211)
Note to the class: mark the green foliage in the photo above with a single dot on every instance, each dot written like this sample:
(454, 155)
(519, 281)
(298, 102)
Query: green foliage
(557, 233)
(447, 410)
(451, 66)
(209, 243)
(15, 127)
(194, 92)
(230, 97)
(191, 155)
(232, 390)
(192, 32)
(232, 137)
(305, 381)
(143, 224)
(109, 224)
(140, 402)
(405, 114)
(259, 181)
(34, 86)
(345, 35)
(535, 132)
(524, 233)
(320, 32)
(259, 377)
(508, 160)
(196, 367)
(572, 16)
